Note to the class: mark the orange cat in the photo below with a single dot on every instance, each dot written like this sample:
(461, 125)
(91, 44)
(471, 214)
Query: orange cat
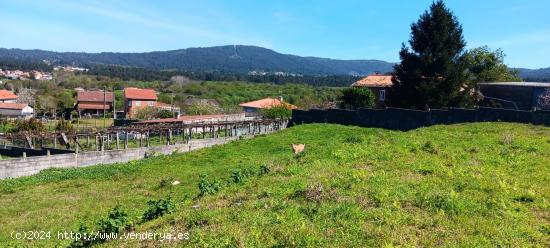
(298, 148)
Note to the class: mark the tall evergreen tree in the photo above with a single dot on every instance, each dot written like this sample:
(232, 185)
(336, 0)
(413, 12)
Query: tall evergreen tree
(432, 71)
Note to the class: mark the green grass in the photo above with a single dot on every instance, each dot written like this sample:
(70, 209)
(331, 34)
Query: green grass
(483, 184)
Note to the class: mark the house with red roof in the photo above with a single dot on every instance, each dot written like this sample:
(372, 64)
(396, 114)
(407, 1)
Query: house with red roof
(255, 106)
(94, 102)
(7, 96)
(379, 85)
(136, 99)
(11, 110)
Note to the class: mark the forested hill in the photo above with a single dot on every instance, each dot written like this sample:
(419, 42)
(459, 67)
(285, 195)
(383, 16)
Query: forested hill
(225, 59)
(539, 75)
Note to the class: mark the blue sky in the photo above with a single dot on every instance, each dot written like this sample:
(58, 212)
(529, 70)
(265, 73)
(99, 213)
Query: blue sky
(335, 29)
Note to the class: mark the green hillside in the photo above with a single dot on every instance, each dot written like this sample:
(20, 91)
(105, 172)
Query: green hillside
(482, 184)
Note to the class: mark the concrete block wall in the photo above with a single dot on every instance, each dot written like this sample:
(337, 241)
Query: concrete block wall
(17, 167)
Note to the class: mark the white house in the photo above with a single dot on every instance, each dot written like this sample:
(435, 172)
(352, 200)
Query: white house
(15, 110)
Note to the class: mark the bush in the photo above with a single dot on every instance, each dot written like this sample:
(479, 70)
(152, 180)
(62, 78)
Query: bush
(64, 126)
(357, 97)
(30, 125)
(283, 111)
(354, 139)
(239, 176)
(158, 208)
(117, 221)
(264, 169)
(165, 114)
(206, 187)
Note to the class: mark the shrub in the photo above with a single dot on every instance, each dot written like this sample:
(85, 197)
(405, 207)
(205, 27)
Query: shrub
(158, 208)
(64, 126)
(30, 125)
(116, 221)
(164, 114)
(283, 111)
(357, 97)
(239, 176)
(82, 242)
(264, 169)
(206, 187)
(354, 139)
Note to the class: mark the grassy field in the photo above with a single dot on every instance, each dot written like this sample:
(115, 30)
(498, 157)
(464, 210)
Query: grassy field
(483, 184)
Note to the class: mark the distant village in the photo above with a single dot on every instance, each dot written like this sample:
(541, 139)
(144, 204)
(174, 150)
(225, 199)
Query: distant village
(37, 75)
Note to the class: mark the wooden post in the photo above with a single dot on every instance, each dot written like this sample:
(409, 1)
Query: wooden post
(125, 140)
(117, 141)
(140, 138)
(169, 138)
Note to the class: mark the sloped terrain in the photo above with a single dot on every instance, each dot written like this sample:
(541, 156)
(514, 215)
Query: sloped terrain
(482, 184)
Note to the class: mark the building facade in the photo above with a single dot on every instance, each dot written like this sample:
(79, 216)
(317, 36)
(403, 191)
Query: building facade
(94, 102)
(513, 95)
(379, 85)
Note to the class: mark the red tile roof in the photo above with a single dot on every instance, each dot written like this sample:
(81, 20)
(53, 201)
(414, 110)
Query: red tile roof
(7, 95)
(94, 96)
(187, 118)
(10, 105)
(140, 94)
(265, 103)
(93, 106)
(375, 81)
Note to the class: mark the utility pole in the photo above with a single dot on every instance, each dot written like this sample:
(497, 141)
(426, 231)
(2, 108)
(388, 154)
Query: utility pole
(104, 104)
(114, 103)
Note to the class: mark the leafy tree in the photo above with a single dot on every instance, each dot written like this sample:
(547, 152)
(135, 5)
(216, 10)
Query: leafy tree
(485, 65)
(432, 71)
(65, 99)
(357, 97)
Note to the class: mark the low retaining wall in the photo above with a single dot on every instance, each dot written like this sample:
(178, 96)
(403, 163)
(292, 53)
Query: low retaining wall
(17, 167)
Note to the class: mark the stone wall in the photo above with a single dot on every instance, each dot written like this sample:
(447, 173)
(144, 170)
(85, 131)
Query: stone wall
(17, 167)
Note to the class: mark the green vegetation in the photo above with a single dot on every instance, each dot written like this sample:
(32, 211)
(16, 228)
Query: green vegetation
(283, 111)
(357, 97)
(437, 71)
(230, 94)
(58, 97)
(485, 65)
(481, 184)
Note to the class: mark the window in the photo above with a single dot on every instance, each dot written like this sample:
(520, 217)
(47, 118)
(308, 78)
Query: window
(382, 95)
(138, 103)
(129, 103)
(151, 104)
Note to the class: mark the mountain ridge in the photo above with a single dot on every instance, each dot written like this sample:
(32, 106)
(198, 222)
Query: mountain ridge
(230, 59)
(236, 59)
